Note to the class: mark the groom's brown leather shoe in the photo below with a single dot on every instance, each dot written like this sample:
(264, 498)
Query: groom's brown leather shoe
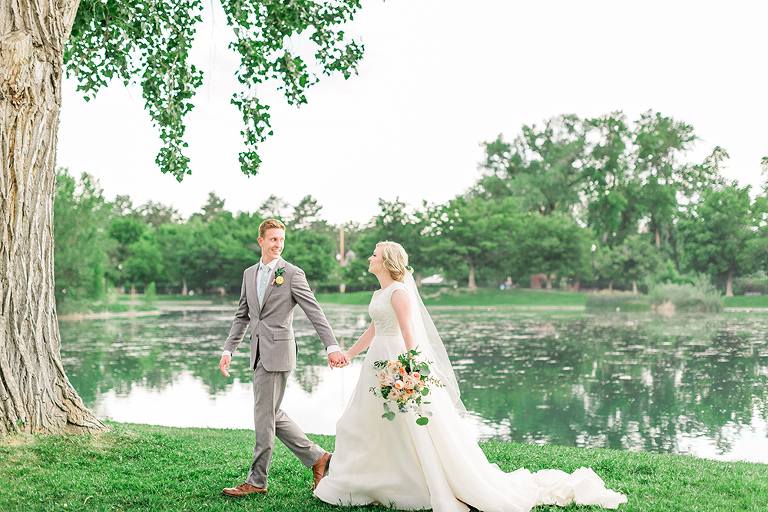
(320, 469)
(243, 490)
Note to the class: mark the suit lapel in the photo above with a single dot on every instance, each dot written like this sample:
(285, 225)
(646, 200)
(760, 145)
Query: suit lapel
(270, 286)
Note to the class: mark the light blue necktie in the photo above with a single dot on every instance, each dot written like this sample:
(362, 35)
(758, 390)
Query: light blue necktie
(265, 270)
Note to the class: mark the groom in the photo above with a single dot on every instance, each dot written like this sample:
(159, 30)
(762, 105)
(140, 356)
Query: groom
(271, 290)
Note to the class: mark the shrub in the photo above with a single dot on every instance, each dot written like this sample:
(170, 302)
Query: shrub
(150, 296)
(701, 295)
(756, 284)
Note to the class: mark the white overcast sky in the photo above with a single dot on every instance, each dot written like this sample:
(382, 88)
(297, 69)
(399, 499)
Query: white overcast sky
(438, 78)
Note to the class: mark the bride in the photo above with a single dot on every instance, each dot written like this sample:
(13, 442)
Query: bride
(439, 465)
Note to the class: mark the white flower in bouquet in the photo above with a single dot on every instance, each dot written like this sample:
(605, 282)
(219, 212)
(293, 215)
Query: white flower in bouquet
(406, 382)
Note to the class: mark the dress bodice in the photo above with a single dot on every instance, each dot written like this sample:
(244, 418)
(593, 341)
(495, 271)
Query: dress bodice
(382, 313)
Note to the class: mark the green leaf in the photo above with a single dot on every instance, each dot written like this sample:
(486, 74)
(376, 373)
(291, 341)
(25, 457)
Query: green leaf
(150, 44)
(422, 421)
(389, 415)
(425, 391)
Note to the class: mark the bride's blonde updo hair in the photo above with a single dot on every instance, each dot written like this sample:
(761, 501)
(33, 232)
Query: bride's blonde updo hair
(395, 259)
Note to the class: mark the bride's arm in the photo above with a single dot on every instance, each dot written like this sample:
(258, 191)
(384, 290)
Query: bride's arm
(401, 301)
(362, 343)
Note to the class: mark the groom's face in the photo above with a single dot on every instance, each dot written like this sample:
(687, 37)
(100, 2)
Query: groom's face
(272, 244)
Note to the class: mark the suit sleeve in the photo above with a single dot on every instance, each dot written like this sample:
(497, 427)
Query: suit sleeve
(304, 297)
(240, 323)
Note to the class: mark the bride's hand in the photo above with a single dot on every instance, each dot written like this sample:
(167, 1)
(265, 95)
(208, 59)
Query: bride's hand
(337, 360)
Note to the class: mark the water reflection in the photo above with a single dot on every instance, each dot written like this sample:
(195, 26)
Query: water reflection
(694, 385)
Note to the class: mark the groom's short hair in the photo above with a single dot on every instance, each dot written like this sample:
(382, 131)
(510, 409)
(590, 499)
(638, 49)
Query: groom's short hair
(269, 224)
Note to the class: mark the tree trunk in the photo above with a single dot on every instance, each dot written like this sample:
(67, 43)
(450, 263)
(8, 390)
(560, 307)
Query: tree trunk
(610, 286)
(184, 286)
(549, 282)
(35, 394)
(658, 238)
(634, 286)
(729, 284)
(471, 285)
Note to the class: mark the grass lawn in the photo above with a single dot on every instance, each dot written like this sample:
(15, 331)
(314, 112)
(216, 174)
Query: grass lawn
(148, 468)
(482, 297)
(747, 301)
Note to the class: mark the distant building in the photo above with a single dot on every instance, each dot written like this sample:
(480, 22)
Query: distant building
(537, 280)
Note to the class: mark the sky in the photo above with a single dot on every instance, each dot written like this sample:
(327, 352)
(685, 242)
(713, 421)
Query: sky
(438, 78)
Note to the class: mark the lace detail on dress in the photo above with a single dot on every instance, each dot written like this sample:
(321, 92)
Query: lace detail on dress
(382, 313)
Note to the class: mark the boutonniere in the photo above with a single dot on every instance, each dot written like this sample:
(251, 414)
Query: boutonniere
(279, 279)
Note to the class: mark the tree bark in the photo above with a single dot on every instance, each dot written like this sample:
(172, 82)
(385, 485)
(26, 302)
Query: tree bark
(729, 284)
(35, 394)
(471, 284)
(634, 286)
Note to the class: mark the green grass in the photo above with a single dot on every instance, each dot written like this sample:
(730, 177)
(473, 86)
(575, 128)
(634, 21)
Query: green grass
(462, 297)
(349, 298)
(482, 297)
(624, 301)
(747, 301)
(127, 297)
(148, 468)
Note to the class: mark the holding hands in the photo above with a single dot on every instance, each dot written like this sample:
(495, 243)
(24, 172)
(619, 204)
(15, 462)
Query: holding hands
(337, 360)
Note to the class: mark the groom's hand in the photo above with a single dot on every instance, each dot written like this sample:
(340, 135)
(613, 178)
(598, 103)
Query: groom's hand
(224, 365)
(337, 360)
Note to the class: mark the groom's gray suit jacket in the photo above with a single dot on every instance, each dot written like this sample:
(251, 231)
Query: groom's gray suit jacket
(272, 325)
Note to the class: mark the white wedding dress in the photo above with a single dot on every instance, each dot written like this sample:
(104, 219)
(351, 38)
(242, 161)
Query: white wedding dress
(438, 466)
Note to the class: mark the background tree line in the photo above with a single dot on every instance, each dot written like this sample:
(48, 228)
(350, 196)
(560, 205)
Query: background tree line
(596, 202)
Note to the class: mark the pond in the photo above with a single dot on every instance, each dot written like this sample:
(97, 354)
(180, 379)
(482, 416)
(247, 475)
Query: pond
(689, 384)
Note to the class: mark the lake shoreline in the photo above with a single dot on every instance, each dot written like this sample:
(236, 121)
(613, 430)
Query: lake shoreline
(209, 306)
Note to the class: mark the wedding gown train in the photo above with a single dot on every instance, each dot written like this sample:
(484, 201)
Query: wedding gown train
(438, 466)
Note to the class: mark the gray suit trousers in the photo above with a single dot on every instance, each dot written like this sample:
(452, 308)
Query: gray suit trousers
(271, 421)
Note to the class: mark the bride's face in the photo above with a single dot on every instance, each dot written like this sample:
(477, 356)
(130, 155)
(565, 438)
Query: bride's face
(377, 262)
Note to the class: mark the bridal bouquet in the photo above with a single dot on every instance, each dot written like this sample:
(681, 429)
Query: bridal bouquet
(406, 382)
